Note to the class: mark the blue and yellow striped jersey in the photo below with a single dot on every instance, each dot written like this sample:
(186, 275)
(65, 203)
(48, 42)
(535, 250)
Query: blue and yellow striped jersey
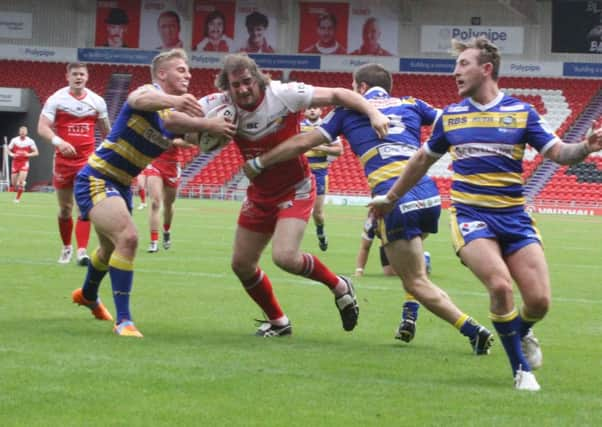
(136, 139)
(487, 144)
(382, 159)
(317, 159)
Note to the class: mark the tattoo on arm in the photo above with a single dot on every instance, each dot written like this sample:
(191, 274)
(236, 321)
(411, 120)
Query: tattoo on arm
(570, 154)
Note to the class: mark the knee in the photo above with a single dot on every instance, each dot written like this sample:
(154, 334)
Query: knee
(242, 268)
(414, 285)
(65, 211)
(155, 204)
(286, 260)
(129, 239)
(538, 306)
(500, 289)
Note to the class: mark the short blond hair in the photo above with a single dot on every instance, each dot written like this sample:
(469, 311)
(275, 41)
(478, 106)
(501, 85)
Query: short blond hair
(240, 62)
(488, 52)
(163, 57)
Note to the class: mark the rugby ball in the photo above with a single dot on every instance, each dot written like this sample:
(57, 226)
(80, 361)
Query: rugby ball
(208, 141)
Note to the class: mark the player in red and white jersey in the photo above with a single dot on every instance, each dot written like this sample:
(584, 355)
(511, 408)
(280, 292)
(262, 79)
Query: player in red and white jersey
(21, 148)
(68, 121)
(163, 178)
(279, 202)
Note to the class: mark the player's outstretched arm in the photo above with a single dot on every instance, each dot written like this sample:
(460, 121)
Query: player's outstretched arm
(148, 98)
(349, 99)
(289, 149)
(569, 154)
(181, 123)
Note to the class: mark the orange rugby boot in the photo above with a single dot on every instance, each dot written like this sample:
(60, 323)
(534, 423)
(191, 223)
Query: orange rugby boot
(96, 307)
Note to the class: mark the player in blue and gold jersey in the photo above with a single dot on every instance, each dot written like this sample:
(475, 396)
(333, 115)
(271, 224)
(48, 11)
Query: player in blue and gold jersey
(492, 233)
(403, 230)
(319, 160)
(144, 128)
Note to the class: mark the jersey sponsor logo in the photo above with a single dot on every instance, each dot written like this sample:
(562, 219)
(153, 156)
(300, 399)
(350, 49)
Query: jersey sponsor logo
(454, 121)
(78, 129)
(467, 151)
(470, 227)
(387, 102)
(458, 109)
(492, 119)
(386, 151)
(508, 124)
(296, 87)
(517, 107)
(155, 137)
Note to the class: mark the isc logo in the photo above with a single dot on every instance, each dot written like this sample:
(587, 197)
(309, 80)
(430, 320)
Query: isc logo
(252, 125)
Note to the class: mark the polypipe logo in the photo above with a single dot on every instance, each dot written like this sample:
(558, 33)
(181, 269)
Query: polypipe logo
(492, 35)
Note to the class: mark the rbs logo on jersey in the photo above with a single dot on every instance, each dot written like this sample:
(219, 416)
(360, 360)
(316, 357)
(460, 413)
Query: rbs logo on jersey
(453, 121)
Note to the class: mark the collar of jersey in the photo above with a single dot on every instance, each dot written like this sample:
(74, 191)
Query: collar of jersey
(492, 104)
(375, 91)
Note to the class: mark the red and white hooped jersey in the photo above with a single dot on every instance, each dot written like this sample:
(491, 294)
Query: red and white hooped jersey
(271, 122)
(20, 147)
(74, 118)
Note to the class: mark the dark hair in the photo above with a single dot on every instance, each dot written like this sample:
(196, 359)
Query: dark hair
(488, 52)
(327, 17)
(256, 19)
(239, 62)
(117, 16)
(216, 14)
(373, 75)
(172, 14)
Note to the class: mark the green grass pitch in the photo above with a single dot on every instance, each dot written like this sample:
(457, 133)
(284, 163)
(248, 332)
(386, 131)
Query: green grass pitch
(200, 365)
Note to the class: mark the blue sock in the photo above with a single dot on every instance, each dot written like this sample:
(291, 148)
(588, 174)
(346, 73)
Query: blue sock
(468, 326)
(410, 310)
(320, 230)
(95, 274)
(121, 271)
(526, 323)
(507, 327)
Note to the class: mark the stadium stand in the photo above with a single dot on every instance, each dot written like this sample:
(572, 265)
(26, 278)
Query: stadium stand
(561, 101)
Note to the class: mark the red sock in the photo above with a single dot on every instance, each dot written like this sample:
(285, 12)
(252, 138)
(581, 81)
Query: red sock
(82, 233)
(166, 227)
(19, 192)
(142, 195)
(260, 289)
(66, 229)
(315, 270)
(154, 235)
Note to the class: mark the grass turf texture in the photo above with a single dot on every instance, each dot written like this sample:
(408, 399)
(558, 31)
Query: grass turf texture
(199, 363)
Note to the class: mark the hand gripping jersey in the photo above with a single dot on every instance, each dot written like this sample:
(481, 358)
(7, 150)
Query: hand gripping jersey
(382, 159)
(487, 144)
(271, 122)
(136, 138)
(75, 118)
